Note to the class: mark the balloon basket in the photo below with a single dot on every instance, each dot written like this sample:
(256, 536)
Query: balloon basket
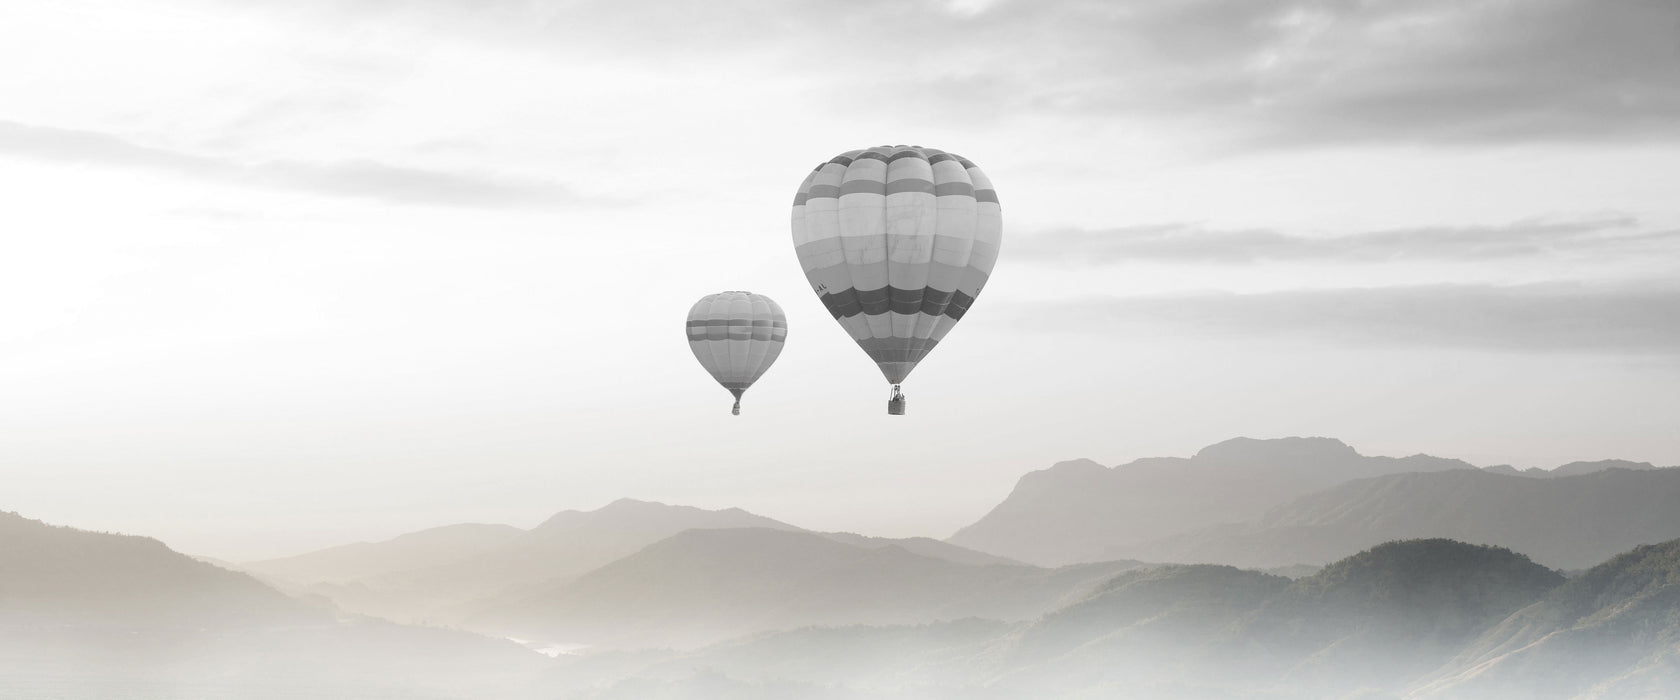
(895, 405)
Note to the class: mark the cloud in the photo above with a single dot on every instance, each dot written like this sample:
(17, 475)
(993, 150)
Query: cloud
(1484, 71)
(360, 178)
(1254, 74)
(1552, 317)
(1269, 73)
(1186, 243)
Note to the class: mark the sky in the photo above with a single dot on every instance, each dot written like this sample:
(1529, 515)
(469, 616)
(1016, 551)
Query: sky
(280, 276)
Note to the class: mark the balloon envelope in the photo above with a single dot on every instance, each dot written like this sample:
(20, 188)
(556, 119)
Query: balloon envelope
(736, 336)
(897, 241)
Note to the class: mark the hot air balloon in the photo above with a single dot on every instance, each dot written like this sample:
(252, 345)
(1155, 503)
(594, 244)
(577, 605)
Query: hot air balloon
(736, 336)
(897, 241)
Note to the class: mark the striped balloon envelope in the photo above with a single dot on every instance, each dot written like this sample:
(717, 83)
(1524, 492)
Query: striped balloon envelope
(736, 336)
(897, 241)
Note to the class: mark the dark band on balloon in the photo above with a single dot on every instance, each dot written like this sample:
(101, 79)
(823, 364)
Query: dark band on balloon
(752, 322)
(737, 333)
(860, 187)
(909, 184)
(737, 329)
(850, 302)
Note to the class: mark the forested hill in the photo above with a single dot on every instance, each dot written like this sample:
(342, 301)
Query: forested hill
(62, 575)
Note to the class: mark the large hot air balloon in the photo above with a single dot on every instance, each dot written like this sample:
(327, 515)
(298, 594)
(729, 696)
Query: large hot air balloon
(736, 336)
(897, 241)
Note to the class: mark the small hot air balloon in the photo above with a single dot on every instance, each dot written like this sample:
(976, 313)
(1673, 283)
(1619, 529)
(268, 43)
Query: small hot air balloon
(736, 336)
(897, 241)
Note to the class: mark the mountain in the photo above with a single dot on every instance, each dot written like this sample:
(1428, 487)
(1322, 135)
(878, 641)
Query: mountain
(1509, 470)
(1568, 522)
(1140, 628)
(1376, 619)
(63, 576)
(1570, 469)
(1081, 511)
(437, 546)
(97, 615)
(924, 546)
(1365, 626)
(1612, 632)
(1384, 616)
(436, 576)
(593, 538)
(1579, 468)
(702, 586)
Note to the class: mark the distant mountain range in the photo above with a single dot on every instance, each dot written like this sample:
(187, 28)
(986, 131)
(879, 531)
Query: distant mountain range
(450, 574)
(703, 586)
(1570, 469)
(1272, 503)
(1435, 584)
(438, 546)
(1568, 522)
(437, 575)
(1082, 511)
(1310, 501)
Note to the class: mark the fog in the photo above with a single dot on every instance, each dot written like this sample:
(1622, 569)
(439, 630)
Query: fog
(340, 353)
(648, 600)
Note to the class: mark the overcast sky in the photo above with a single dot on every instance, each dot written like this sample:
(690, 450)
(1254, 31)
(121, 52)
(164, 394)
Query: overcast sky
(275, 278)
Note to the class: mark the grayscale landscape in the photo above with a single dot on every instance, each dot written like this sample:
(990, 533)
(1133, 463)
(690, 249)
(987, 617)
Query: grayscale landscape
(1410, 584)
(871, 350)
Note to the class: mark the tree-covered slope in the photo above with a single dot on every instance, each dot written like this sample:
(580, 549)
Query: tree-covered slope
(1612, 632)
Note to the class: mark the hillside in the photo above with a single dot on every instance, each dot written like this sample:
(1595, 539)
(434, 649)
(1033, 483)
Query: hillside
(1145, 628)
(435, 576)
(1386, 615)
(702, 586)
(1365, 626)
(445, 574)
(64, 576)
(1377, 619)
(1082, 511)
(437, 546)
(1612, 632)
(1568, 522)
(97, 615)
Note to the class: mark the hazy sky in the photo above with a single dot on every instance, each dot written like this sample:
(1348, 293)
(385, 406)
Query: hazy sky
(274, 278)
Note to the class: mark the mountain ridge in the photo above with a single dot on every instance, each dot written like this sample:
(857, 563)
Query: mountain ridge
(1604, 633)
(58, 573)
(703, 586)
(1565, 522)
(1080, 511)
